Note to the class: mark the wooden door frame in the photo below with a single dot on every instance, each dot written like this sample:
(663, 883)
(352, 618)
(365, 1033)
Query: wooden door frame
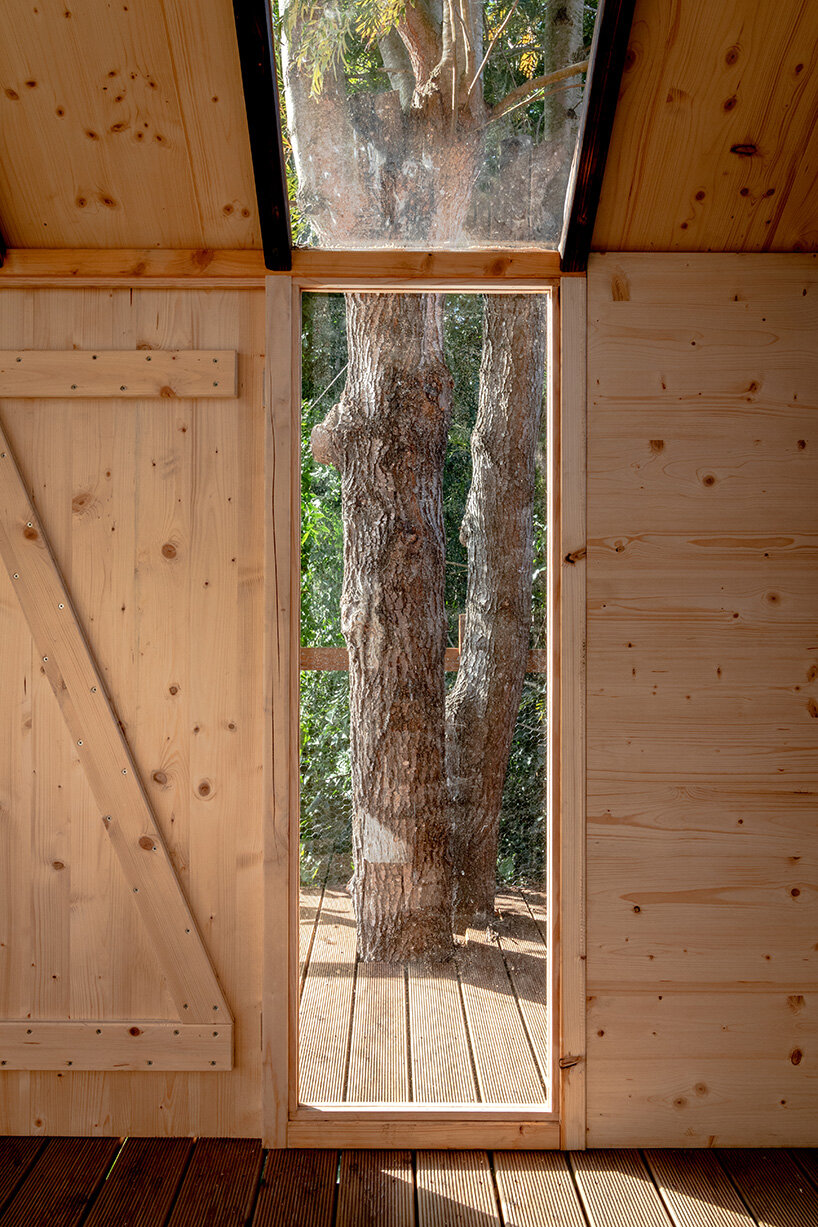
(469, 1126)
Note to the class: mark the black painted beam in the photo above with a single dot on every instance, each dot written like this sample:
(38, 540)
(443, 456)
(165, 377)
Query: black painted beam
(258, 73)
(607, 60)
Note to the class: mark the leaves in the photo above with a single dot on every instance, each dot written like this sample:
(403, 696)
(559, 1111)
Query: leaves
(326, 37)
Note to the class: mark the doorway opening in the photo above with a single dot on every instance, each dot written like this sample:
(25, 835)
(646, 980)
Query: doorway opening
(425, 842)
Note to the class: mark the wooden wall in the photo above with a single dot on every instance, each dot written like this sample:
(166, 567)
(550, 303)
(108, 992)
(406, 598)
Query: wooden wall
(155, 510)
(702, 700)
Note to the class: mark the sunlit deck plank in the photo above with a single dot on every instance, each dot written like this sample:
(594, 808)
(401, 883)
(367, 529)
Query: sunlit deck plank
(379, 1058)
(695, 1189)
(616, 1188)
(503, 1058)
(326, 1003)
(523, 947)
(455, 1189)
(309, 907)
(441, 1063)
(536, 1189)
(375, 1188)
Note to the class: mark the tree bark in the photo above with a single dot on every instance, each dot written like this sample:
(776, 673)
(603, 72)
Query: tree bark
(387, 437)
(497, 531)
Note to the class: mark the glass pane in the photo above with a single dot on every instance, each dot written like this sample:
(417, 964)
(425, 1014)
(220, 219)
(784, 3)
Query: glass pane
(429, 124)
(423, 699)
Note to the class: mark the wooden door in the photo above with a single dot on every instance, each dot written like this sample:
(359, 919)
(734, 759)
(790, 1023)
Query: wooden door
(133, 746)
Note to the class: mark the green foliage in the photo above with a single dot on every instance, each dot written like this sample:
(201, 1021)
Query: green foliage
(326, 37)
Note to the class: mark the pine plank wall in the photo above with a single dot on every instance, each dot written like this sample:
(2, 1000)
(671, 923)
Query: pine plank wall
(702, 623)
(702, 713)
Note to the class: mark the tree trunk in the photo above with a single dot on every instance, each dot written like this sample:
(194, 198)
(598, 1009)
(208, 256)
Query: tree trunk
(387, 437)
(497, 532)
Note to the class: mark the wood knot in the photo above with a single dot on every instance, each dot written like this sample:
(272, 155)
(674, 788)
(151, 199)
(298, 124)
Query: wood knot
(57, 865)
(796, 1056)
(159, 777)
(168, 393)
(134, 1031)
(30, 533)
(746, 150)
(146, 843)
(657, 445)
(204, 789)
(168, 550)
(575, 555)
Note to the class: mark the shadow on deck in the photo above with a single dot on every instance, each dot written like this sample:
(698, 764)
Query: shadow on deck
(469, 1031)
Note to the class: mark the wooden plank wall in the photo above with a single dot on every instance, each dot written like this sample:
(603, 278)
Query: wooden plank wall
(155, 510)
(702, 700)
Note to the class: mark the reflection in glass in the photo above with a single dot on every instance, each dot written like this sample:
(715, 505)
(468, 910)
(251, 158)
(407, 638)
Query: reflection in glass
(432, 124)
(423, 840)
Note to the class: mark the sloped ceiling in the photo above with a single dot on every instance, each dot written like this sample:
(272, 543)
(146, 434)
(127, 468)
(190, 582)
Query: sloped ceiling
(715, 141)
(122, 124)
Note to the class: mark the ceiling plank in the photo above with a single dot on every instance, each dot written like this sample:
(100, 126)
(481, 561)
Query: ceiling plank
(608, 53)
(715, 145)
(258, 72)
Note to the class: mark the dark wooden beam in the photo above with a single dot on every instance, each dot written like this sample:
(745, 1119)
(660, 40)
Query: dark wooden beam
(258, 72)
(3, 249)
(607, 60)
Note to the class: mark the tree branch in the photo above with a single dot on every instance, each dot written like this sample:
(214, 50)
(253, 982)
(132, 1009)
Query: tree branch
(505, 22)
(536, 83)
(421, 39)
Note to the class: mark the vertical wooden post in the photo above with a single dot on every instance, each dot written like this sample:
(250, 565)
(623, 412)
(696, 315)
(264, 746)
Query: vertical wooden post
(568, 571)
(281, 704)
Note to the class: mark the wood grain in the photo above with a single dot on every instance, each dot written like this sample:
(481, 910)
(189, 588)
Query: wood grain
(702, 673)
(134, 118)
(726, 97)
(128, 501)
(124, 374)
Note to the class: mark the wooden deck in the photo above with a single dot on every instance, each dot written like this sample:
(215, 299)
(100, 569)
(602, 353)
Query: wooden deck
(176, 1182)
(469, 1031)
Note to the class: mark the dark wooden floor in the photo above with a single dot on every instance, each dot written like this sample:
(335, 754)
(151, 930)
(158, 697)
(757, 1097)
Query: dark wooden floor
(159, 1182)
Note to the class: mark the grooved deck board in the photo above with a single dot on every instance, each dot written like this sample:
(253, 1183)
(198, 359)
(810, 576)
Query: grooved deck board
(695, 1189)
(379, 1059)
(142, 1185)
(441, 1062)
(376, 1188)
(220, 1184)
(774, 1187)
(16, 1158)
(503, 1057)
(62, 1183)
(308, 912)
(809, 1161)
(326, 1002)
(616, 1188)
(298, 1189)
(358, 1045)
(536, 1189)
(524, 951)
(455, 1188)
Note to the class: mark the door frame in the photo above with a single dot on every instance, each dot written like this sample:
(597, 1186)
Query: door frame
(462, 1126)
